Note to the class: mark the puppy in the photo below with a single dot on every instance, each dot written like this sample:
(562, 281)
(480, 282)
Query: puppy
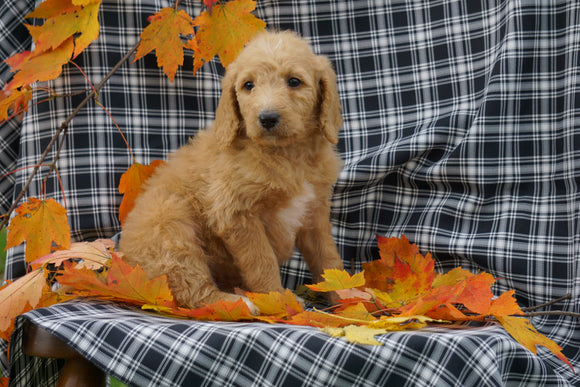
(229, 207)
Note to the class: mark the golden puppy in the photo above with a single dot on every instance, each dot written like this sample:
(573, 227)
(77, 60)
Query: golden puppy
(230, 206)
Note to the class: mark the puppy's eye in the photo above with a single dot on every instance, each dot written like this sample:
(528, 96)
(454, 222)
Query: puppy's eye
(249, 85)
(294, 82)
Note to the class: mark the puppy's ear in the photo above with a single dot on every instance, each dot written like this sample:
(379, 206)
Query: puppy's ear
(227, 117)
(329, 103)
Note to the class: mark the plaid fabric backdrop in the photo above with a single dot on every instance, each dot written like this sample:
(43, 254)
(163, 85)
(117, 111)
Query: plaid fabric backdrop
(461, 131)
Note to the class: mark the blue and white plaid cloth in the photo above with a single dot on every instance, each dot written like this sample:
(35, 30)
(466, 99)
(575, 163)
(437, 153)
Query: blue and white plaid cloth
(462, 131)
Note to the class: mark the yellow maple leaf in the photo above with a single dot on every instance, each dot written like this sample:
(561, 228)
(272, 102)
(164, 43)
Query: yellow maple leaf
(224, 31)
(42, 224)
(276, 303)
(525, 333)
(356, 334)
(16, 102)
(65, 20)
(335, 279)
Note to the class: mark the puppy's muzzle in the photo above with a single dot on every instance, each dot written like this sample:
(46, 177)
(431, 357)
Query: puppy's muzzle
(269, 119)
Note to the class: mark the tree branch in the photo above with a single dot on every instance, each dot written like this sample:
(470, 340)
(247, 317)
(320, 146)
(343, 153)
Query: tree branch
(63, 129)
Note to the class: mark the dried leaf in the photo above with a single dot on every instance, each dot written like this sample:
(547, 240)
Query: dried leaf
(42, 224)
(94, 255)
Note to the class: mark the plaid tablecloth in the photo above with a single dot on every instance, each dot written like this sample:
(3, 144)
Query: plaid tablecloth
(462, 131)
(148, 350)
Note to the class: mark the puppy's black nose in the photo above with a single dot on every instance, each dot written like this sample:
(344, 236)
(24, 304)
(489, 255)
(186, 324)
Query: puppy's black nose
(269, 119)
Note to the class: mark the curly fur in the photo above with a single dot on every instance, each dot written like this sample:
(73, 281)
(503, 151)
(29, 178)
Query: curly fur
(230, 205)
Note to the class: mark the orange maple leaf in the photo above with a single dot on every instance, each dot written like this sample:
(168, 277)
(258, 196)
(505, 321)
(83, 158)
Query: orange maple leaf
(335, 279)
(379, 273)
(224, 31)
(164, 34)
(121, 282)
(42, 224)
(412, 277)
(30, 67)
(131, 183)
(319, 320)
(505, 305)
(219, 311)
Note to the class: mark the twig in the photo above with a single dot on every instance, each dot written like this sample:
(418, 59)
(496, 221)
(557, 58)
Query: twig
(62, 129)
(552, 313)
(566, 297)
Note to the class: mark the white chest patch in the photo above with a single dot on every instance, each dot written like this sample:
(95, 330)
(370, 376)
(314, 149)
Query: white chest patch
(292, 216)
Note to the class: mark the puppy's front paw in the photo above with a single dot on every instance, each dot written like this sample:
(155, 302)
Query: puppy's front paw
(254, 310)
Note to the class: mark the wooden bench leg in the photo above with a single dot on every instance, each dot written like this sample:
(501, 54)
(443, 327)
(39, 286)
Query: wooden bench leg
(76, 372)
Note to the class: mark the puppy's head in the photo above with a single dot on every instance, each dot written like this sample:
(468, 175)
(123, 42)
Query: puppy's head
(278, 92)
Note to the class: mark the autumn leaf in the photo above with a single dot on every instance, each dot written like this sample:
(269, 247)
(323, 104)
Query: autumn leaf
(19, 297)
(65, 20)
(318, 319)
(219, 311)
(42, 224)
(412, 277)
(505, 305)
(30, 67)
(477, 294)
(120, 282)
(15, 103)
(399, 323)
(131, 183)
(356, 334)
(224, 31)
(276, 304)
(379, 273)
(525, 333)
(94, 255)
(164, 35)
(357, 312)
(335, 279)
(70, 26)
